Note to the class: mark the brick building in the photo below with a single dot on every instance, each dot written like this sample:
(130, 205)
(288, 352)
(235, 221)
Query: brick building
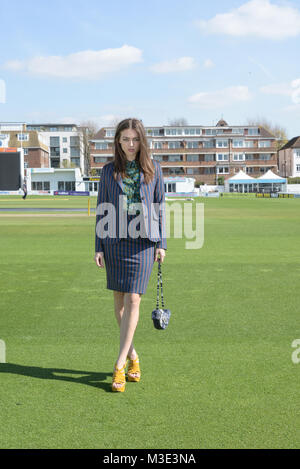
(289, 158)
(204, 153)
(34, 144)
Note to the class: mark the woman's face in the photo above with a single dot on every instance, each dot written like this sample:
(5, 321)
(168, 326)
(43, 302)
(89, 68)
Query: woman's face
(130, 143)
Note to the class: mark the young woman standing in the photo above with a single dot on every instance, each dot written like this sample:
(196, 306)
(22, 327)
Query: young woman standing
(128, 255)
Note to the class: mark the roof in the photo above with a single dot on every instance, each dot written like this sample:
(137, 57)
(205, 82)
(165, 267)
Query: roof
(293, 143)
(241, 176)
(265, 133)
(222, 123)
(269, 176)
(99, 134)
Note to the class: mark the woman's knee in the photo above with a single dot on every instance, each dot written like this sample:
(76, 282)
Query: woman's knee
(132, 299)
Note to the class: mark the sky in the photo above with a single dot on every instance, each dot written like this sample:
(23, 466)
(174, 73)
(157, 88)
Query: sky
(72, 61)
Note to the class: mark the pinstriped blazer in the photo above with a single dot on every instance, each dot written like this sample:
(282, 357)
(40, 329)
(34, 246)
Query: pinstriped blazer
(153, 203)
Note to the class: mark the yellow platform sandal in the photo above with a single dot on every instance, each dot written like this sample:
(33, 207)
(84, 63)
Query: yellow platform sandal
(134, 368)
(119, 378)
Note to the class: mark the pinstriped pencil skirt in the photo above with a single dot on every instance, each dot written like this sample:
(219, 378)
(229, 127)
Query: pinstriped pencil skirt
(129, 264)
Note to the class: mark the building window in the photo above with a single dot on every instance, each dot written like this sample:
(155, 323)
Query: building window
(297, 153)
(249, 156)
(173, 131)
(238, 143)
(53, 129)
(265, 156)
(54, 142)
(209, 171)
(74, 141)
(238, 157)
(157, 145)
(68, 129)
(222, 157)
(192, 131)
(254, 131)
(75, 152)
(209, 157)
(100, 159)
(25, 151)
(223, 170)
(65, 150)
(264, 143)
(40, 186)
(175, 158)
(176, 171)
(101, 146)
(209, 144)
(66, 185)
(172, 145)
(249, 143)
(23, 137)
(192, 145)
(298, 168)
(110, 133)
(76, 162)
(54, 151)
(192, 158)
(222, 143)
(210, 131)
(65, 140)
(170, 187)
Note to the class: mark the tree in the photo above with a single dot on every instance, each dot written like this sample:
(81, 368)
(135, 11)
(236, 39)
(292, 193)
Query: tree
(275, 129)
(88, 130)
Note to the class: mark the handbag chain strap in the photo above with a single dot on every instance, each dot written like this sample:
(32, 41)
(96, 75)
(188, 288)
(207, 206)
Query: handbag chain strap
(159, 279)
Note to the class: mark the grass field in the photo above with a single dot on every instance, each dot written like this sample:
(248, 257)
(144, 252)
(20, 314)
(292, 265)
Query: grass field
(220, 376)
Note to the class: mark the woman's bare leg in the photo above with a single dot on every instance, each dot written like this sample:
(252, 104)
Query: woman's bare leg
(127, 314)
(119, 310)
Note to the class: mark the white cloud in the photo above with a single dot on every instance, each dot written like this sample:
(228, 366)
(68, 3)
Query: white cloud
(259, 18)
(208, 63)
(177, 65)
(291, 89)
(87, 64)
(221, 98)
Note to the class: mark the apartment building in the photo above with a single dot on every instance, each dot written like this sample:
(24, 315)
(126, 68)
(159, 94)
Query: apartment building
(289, 158)
(65, 142)
(205, 153)
(33, 143)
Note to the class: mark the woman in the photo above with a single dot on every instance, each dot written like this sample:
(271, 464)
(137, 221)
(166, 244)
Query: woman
(129, 249)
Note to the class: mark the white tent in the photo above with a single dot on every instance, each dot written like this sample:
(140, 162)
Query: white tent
(270, 177)
(241, 182)
(241, 177)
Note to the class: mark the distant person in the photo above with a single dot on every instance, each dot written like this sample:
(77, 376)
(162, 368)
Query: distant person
(128, 259)
(24, 187)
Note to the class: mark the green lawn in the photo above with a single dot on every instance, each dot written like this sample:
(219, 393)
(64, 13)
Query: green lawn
(220, 376)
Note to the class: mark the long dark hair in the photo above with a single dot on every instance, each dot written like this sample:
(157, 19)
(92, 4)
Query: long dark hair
(143, 157)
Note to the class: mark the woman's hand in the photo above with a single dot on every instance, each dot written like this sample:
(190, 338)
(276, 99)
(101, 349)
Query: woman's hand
(159, 255)
(99, 259)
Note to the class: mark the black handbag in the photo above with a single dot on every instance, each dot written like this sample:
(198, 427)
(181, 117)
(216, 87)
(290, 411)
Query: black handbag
(160, 316)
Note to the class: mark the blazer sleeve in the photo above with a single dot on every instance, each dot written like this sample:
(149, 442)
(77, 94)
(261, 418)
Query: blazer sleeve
(102, 197)
(159, 197)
